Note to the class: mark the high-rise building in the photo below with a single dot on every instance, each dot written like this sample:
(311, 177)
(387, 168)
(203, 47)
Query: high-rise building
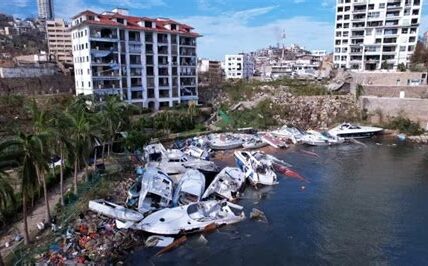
(375, 34)
(147, 61)
(45, 9)
(240, 66)
(59, 41)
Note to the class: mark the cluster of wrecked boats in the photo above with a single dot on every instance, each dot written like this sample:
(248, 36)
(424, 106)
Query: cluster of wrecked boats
(180, 191)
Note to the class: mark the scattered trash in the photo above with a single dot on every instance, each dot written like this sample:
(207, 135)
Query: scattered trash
(402, 137)
(310, 153)
(258, 215)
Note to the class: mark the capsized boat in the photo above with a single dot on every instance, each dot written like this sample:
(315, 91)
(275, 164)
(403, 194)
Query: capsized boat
(348, 131)
(190, 188)
(175, 162)
(224, 142)
(191, 218)
(315, 138)
(274, 141)
(289, 132)
(226, 184)
(114, 211)
(258, 172)
(254, 143)
(155, 192)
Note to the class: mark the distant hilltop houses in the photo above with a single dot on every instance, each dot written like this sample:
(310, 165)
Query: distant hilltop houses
(275, 62)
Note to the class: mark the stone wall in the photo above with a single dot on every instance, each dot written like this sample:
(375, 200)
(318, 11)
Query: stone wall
(394, 91)
(26, 72)
(383, 78)
(380, 108)
(57, 84)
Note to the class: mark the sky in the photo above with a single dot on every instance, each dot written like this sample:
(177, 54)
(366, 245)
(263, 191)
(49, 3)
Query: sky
(227, 26)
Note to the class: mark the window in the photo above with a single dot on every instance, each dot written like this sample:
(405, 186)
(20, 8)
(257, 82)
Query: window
(405, 31)
(382, 5)
(89, 84)
(402, 48)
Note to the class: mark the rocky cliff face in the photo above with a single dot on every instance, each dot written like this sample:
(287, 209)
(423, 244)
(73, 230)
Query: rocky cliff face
(321, 111)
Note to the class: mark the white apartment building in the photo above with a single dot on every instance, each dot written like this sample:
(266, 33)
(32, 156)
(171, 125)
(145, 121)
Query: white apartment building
(147, 61)
(59, 41)
(240, 66)
(375, 34)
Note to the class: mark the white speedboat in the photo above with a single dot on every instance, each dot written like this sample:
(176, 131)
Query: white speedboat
(115, 211)
(224, 142)
(258, 172)
(254, 143)
(226, 184)
(190, 188)
(197, 152)
(315, 138)
(289, 132)
(348, 131)
(191, 218)
(155, 192)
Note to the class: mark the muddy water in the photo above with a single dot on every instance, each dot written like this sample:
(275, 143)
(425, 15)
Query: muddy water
(359, 204)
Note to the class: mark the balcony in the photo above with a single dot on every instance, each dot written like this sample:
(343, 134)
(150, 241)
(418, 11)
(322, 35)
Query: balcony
(188, 94)
(187, 41)
(163, 50)
(104, 35)
(187, 82)
(106, 75)
(187, 62)
(107, 91)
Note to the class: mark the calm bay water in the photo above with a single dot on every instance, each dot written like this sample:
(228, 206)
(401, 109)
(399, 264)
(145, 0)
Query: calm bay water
(359, 205)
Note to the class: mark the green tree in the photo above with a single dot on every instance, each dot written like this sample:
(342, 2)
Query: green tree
(60, 129)
(31, 150)
(41, 121)
(112, 117)
(81, 139)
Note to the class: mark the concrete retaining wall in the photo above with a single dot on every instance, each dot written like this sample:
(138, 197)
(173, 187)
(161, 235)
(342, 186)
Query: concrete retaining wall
(394, 91)
(412, 108)
(383, 78)
(56, 84)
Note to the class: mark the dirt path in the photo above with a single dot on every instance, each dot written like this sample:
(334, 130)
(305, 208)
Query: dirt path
(37, 215)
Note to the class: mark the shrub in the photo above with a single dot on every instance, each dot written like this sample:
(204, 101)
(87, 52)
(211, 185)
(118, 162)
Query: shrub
(405, 125)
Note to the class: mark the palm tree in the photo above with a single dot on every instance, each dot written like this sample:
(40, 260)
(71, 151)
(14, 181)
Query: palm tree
(41, 130)
(113, 115)
(31, 149)
(81, 129)
(8, 160)
(60, 129)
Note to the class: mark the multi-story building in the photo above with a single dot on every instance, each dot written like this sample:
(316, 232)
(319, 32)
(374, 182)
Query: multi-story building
(240, 66)
(59, 41)
(147, 61)
(375, 34)
(209, 72)
(45, 9)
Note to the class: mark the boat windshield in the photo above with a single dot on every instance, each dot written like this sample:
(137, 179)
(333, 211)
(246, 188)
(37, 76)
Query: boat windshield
(187, 198)
(203, 211)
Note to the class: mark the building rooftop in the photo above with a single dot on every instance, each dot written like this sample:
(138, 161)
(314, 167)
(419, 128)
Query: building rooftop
(135, 23)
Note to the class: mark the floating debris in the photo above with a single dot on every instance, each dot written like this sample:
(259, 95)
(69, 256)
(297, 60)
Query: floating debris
(258, 215)
(158, 241)
(178, 242)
